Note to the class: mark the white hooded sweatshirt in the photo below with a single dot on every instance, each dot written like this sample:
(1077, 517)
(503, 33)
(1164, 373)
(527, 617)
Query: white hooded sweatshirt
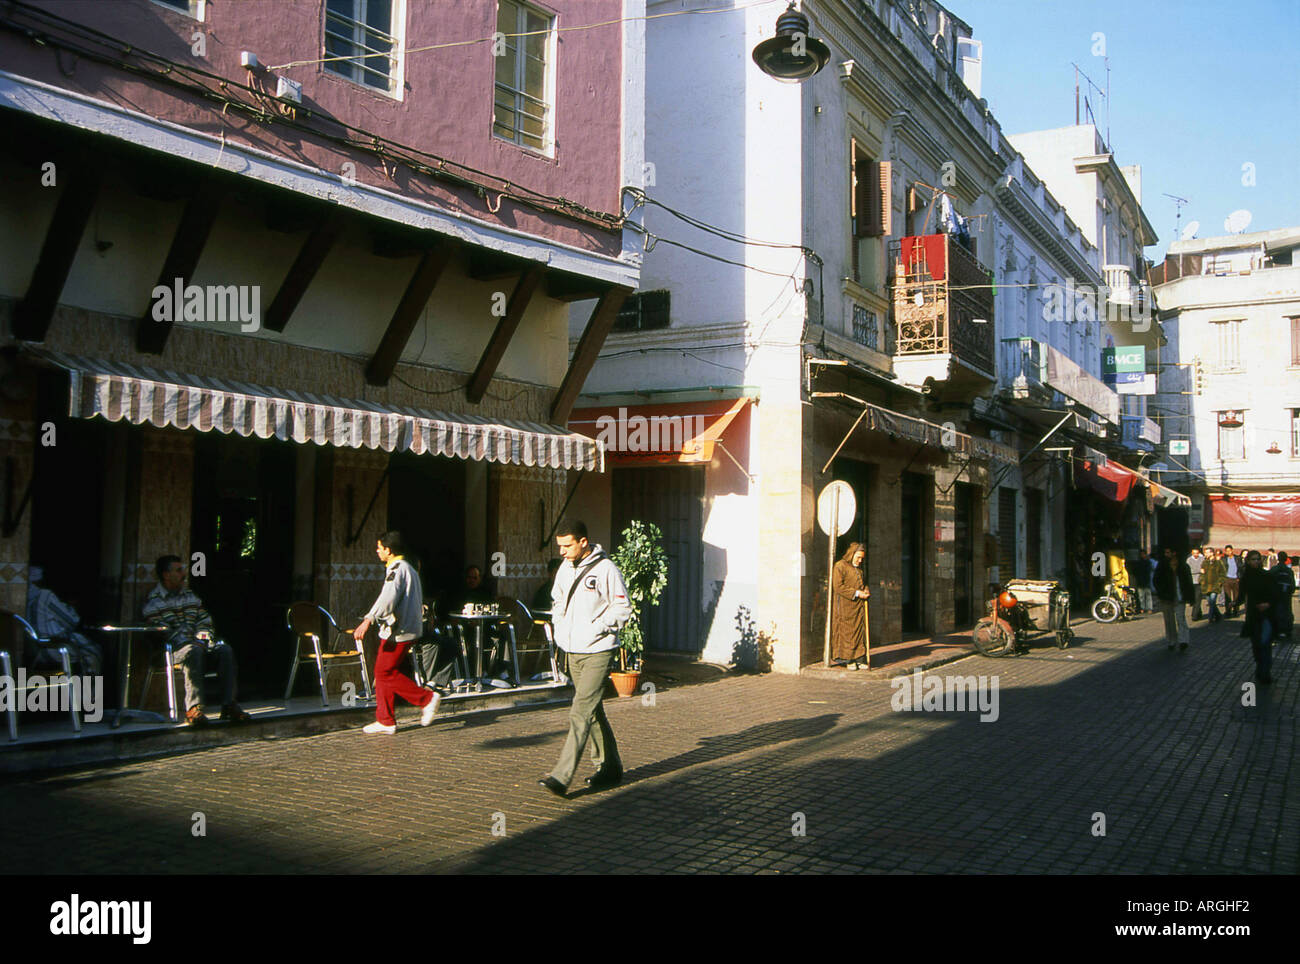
(587, 617)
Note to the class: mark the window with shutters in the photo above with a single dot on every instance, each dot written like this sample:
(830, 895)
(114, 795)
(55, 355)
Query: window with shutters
(1227, 342)
(1295, 342)
(1295, 433)
(870, 215)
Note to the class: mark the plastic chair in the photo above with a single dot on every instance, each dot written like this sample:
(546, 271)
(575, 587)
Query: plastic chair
(312, 624)
(15, 634)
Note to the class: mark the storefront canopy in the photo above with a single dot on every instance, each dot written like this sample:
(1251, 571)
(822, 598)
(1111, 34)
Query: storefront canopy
(909, 428)
(664, 434)
(1106, 479)
(145, 396)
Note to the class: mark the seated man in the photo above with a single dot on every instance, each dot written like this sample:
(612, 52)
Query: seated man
(172, 605)
(542, 598)
(473, 591)
(52, 617)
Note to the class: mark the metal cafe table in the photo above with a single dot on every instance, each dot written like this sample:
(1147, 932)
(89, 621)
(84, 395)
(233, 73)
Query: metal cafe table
(124, 711)
(478, 622)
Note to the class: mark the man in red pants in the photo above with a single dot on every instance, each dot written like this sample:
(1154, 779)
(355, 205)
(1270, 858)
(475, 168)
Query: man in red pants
(399, 613)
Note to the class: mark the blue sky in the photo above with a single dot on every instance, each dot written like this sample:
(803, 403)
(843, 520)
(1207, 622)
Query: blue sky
(1197, 90)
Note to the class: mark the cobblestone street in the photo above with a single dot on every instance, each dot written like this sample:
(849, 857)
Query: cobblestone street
(721, 774)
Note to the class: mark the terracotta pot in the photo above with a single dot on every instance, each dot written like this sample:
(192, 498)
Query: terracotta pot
(625, 683)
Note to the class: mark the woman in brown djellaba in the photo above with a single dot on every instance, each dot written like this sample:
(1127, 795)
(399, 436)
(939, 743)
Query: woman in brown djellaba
(849, 628)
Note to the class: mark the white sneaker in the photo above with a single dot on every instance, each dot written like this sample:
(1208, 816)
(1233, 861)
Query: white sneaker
(377, 727)
(430, 709)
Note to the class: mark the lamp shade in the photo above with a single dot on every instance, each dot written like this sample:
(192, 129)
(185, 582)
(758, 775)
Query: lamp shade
(791, 56)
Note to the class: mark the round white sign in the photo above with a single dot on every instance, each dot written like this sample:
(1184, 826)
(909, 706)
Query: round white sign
(836, 492)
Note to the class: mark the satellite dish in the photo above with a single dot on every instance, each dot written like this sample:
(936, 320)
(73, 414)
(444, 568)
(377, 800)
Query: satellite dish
(1189, 232)
(1237, 222)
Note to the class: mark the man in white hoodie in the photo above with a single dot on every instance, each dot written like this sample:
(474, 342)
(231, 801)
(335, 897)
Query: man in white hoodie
(589, 605)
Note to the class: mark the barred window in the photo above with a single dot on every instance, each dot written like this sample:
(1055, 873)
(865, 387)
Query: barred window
(193, 8)
(365, 32)
(865, 330)
(1295, 433)
(643, 310)
(1232, 438)
(523, 76)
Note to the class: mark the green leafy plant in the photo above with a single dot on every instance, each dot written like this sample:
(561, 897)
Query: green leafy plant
(644, 564)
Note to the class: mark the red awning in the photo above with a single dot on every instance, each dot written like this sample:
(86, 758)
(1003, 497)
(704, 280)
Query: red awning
(673, 433)
(1256, 511)
(1107, 480)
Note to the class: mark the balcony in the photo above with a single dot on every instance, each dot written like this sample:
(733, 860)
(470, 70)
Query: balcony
(943, 313)
(1139, 433)
(1032, 371)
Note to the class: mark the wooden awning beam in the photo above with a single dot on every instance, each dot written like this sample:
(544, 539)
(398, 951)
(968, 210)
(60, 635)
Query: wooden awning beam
(432, 262)
(182, 258)
(33, 314)
(505, 330)
(311, 256)
(589, 345)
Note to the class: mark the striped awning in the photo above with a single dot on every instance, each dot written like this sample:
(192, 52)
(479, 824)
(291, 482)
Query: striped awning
(144, 396)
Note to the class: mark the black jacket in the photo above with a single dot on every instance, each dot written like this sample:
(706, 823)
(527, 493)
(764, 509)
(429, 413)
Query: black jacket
(1164, 582)
(1260, 586)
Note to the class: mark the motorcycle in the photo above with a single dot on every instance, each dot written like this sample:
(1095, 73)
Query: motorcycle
(1005, 630)
(1115, 602)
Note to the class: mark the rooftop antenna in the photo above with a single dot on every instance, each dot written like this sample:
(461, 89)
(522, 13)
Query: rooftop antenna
(1178, 205)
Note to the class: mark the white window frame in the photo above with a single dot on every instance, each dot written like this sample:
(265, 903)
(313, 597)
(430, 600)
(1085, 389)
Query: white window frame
(197, 8)
(548, 130)
(356, 75)
(1295, 433)
(1227, 335)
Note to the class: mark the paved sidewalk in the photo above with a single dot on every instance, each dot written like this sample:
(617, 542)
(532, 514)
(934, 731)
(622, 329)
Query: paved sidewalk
(721, 772)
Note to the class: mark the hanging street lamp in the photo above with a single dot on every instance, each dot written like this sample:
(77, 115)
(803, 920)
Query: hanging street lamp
(791, 56)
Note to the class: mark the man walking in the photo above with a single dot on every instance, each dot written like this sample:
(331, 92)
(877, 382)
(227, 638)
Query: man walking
(399, 611)
(1142, 581)
(1231, 584)
(1173, 581)
(1284, 619)
(1262, 594)
(1194, 563)
(589, 605)
(1212, 580)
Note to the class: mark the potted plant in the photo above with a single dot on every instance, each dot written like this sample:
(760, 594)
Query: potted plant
(644, 564)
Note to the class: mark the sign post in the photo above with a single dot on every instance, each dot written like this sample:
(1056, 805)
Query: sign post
(836, 509)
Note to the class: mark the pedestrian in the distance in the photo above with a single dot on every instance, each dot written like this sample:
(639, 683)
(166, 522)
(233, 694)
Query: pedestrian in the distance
(1284, 618)
(849, 625)
(1262, 595)
(1231, 582)
(1173, 582)
(399, 612)
(1213, 576)
(1194, 563)
(589, 606)
(1142, 573)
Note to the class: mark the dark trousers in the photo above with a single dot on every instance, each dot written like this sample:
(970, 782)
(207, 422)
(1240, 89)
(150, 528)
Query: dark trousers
(1261, 644)
(193, 658)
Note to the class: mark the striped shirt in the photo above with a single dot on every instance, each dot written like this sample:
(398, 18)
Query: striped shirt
(181, 611)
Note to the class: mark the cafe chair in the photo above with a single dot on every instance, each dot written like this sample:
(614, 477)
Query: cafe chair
(317, 639)
(17, 637)
(534, 632)
(511, 629)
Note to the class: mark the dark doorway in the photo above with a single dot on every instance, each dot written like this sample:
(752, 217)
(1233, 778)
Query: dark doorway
(858, 476)
(910, 556)
(426, 503)
(1007, 533)
(964, 554)
(65, 497)
(243, 524)
(673, 499)
(1034, 533)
